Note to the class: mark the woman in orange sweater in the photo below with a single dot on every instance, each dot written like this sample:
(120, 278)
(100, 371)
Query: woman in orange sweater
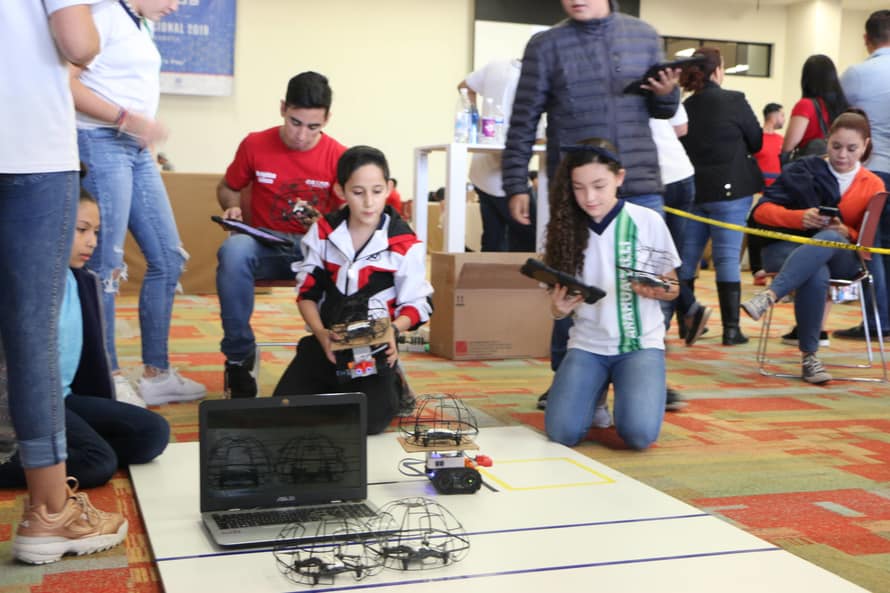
(792, 204)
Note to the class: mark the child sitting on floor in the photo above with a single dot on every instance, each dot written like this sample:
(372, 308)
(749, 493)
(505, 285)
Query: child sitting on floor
(103, 434)
(364, 258)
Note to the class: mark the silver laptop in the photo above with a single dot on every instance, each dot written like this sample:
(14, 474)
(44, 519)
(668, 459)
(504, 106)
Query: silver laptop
(271, 462)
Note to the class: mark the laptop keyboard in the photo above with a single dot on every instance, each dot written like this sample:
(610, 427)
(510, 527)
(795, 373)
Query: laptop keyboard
(241, 520)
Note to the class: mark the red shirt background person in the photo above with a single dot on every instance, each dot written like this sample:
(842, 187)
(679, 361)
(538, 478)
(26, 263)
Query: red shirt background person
(291, 170)
(395, 199)
(768, 157)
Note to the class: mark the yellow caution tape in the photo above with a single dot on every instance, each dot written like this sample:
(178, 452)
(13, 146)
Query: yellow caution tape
(777, 235)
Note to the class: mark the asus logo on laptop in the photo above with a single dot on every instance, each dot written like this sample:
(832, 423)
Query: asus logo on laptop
(286, 499)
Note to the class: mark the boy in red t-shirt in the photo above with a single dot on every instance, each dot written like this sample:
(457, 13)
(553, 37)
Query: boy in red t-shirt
(288, 172)
(768, 157)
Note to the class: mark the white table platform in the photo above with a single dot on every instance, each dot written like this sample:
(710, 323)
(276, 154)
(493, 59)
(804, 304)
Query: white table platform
(456, 163)
(557, 520)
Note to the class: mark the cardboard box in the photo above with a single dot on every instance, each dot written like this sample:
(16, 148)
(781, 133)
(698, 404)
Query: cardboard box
(484, 308)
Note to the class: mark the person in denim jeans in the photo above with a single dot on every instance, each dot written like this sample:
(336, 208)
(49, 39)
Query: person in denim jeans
(867, 86)
(287, 173)
(792, 204)
(723, 134)
(116, 97)
(627, 251)
(38, 201)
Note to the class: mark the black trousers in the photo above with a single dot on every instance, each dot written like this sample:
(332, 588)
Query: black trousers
(311, 372)
(102, 435)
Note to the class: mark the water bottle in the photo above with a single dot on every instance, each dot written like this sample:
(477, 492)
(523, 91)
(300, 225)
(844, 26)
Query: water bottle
(474, 124)
(462, 118)
(500, 126)
(489, 126)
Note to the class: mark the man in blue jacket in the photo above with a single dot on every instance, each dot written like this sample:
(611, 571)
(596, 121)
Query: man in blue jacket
(576, 72)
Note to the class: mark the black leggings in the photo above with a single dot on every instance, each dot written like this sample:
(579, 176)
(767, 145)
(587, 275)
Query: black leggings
(102, 435)
(311, 372)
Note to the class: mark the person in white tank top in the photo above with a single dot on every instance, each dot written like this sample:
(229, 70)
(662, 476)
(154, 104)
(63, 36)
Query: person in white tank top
(116, 97)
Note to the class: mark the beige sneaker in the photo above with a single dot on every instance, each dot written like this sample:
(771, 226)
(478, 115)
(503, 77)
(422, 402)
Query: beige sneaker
(79, 528)
(124, 392)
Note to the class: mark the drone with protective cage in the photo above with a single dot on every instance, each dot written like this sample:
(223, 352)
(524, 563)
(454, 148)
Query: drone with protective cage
(363, 331)
(427, 535)
(340, 546)
(443, 428)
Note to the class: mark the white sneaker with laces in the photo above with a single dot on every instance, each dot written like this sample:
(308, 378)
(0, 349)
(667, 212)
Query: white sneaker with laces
(124, 392)
(169, 387)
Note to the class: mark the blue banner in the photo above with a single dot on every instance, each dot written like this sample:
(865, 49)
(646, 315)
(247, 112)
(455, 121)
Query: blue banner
(197, 44)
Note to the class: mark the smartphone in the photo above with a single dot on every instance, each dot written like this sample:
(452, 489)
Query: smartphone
(829, 211)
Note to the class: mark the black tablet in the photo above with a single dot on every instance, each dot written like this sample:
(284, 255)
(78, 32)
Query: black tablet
(637, 85)
(543, 273)
(260, 235)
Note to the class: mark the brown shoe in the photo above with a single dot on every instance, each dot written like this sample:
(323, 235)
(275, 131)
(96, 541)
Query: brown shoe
(79, 528)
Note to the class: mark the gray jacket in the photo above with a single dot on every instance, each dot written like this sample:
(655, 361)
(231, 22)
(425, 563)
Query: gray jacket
(576, 73)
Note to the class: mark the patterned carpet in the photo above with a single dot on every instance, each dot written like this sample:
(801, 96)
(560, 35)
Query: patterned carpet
(806, 468)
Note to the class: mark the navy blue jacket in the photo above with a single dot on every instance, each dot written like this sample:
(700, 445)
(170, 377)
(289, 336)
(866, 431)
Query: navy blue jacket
(804, 183)
(576, 72)
(93, 375)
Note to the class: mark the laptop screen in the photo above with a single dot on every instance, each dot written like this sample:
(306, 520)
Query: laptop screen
(282, 451)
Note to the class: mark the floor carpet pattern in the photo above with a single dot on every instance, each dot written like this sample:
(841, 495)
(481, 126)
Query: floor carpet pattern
(806, 468)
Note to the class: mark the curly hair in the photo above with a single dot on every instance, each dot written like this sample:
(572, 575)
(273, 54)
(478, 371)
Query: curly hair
(567, 231)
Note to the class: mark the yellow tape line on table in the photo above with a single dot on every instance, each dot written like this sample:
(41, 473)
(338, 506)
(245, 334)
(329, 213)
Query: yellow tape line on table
(775, 234)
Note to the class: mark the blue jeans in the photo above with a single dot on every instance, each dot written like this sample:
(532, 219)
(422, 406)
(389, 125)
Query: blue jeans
(37, 213)
(807, 269)
(125, 181)
(640, 388)
(241, 260)
(726, 245)
(679, 195)
(559, 337)
(103, 435)
(500, 231)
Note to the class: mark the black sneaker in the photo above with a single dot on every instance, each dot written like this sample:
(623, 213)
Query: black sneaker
(674, 401)
(857, 333)
(791, 338)
(240, 379)
(542, 401)
(696, 324)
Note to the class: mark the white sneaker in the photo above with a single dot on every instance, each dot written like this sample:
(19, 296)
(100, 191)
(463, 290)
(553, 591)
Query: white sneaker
(124, 392)
(601, 416)
(168, 387)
